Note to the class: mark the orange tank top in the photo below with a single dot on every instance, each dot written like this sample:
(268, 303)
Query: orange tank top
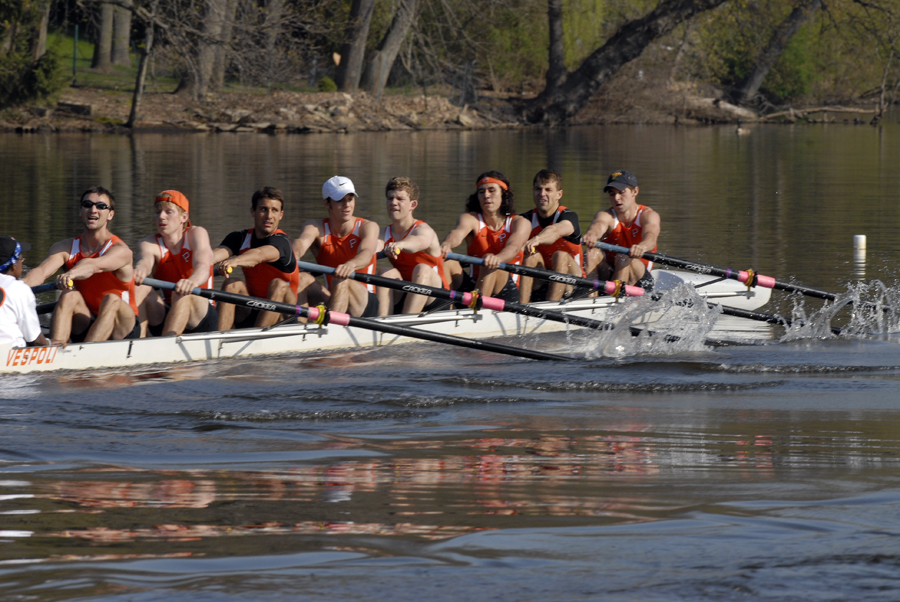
(95, 288)
(335, 251)
(173, 268)
(259, 277)
(407, 262)
(492, 241)
(561, 244)
(626, 236)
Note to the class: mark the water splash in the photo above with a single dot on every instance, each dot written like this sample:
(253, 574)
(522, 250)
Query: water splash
(865, 309)
(678, 321)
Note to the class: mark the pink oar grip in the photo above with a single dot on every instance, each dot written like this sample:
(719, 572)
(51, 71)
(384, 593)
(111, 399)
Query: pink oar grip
(634, 291)
(766, 281)
(493, 303)
(312, 314)
(336, 317)
(466, 299)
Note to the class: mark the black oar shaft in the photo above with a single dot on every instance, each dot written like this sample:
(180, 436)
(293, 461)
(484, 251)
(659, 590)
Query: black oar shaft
(364, 323)
(43, 288)
(463, 298)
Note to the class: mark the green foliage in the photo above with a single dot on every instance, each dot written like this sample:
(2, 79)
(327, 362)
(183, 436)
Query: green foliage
(326, 84)
(795, 71)
(23, 79)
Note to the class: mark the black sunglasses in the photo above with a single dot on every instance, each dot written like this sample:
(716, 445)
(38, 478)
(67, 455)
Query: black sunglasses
(100, 206)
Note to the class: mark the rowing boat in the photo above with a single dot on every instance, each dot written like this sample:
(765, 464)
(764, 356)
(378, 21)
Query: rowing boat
(303, 338)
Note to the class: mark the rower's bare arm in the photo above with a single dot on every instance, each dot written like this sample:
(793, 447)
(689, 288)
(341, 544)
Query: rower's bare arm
(550, 235)
(309, 235)
(368, 244)
(466, 224)
(651, 227)
(56, 258)
(518, 235)
(252, 257)
(423, 239)
(118, 257)
(599, 228)
(203, 258)
(148, 259)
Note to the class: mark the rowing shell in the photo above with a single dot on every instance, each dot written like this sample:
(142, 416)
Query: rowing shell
(301, 338)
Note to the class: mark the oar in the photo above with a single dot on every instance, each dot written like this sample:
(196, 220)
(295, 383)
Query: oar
(748, 277)
(44, 288)
(472, 300)
(610, 288)
(316, 315)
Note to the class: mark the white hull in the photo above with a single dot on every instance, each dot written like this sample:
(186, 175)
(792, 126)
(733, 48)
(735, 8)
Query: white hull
(297, 338)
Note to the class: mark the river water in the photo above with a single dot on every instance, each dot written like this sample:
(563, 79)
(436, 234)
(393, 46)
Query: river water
(670, 472)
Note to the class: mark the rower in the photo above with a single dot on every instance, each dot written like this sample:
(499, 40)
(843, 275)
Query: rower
(492, 231)
(266, 259)
(179, 252)
(19, 324)
(555, 242)
(345, 243)
(98, 298)
(627, 224)
(413, 249)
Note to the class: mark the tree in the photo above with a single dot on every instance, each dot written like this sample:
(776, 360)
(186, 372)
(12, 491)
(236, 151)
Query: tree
(625, 45)
(381, 61)
(121, 41)
(27, 71)
(103, 46)
(556, 70)
(353, 50)
(802, 13)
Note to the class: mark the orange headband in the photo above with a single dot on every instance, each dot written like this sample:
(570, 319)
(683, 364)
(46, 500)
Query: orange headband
(490, 180)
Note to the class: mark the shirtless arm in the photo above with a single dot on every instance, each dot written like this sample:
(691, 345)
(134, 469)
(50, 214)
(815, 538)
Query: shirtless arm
(118, 257)
(600, 227)
(519, 232)
(423, 239)
(310, 234)
(263, 254)
(465, 226)
(651, 227)
(56, 258)
(203, 257)
(549, 235)
(147, 261)
(367, 245)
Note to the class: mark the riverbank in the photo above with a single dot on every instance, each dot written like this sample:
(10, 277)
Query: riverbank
(94, 109)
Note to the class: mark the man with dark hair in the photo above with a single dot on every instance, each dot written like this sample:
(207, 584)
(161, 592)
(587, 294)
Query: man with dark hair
(98, 298)
(266, 259)
(555, 242)
(413, 249)
(345, 243)
(626, 224)
(19, 324)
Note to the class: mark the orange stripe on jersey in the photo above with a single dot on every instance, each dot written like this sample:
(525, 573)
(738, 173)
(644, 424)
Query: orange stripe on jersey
(335, 251)
(173, 268)
(490, 241)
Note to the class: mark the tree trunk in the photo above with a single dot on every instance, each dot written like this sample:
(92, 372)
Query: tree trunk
(625, 45)
(379, 66)
(122, 35)
(103, 48)
(223, 47)
(354, 48)
(274, 13)
(802, 13)
(39, 46)
(556, 70)
(201, 79)
(144, 62)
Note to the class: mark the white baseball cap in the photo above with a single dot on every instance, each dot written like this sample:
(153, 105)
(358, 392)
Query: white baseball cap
(337, 188)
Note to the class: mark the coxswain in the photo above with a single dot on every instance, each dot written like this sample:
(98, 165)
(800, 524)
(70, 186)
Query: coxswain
(626, 224)
(555, 240)
(266, 259)
(19, 324)
(97, 283)
(179, 252)
(413, 249)
(493, 232)
(347, 244)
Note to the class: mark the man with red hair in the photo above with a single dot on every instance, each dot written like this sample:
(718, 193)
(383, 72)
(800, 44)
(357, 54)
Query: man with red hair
(179, 252)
